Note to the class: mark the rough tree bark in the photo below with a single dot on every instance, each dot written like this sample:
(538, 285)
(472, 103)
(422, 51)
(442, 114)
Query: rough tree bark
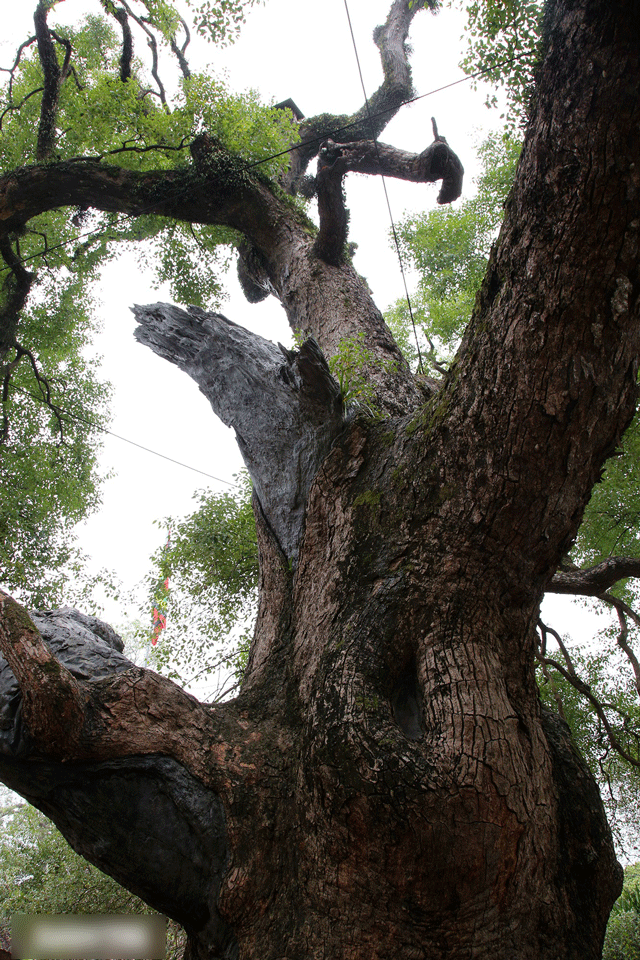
(386, 784)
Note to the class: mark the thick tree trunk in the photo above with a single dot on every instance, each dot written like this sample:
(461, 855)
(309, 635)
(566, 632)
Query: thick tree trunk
(387, 784)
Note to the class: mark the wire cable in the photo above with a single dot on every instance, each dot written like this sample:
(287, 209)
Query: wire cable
(386, 192)
(101, 429)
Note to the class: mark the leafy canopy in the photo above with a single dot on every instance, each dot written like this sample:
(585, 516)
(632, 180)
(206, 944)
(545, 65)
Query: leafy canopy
(504, 39)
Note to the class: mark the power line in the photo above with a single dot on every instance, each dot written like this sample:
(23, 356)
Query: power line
(384, 186)
(101, 429)
(256, 163)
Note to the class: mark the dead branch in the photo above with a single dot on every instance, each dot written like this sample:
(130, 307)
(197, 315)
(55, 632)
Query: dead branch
(261, 390)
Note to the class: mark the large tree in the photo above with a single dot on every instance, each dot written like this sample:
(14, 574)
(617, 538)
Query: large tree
(386, 783)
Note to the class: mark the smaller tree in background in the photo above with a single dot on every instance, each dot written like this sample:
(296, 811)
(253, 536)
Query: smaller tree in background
(42, 874)
(203, 586)
(622, 940)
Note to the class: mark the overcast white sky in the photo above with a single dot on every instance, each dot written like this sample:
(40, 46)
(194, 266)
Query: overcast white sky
(287, 49)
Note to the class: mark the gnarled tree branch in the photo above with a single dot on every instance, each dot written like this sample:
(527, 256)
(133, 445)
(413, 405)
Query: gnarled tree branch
(437, 162)
(122, 761)
(284, 405)
(371, 119)
(594, 581)
(52, 708)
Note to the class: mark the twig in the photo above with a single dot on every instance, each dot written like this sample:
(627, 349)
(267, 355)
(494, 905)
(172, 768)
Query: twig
(556, 636)
(45, 389)
(153, 46)
(585, 690)
(624, 611)
(125, 148)
(18, 106)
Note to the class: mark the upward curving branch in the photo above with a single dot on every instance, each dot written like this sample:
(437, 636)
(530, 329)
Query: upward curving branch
(369, 121)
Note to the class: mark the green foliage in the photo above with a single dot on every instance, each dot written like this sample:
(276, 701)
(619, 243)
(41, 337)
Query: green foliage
(49, 445)
(629, 899)
(102, 116)
(99, 115)
(204, 582)
(610, 681)
(351, 366)
(449, 248)
(503, 41)
(48, 451)
(220, 22)
(42, 874)
(244, 125)
(622, 940)
(611, 526)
